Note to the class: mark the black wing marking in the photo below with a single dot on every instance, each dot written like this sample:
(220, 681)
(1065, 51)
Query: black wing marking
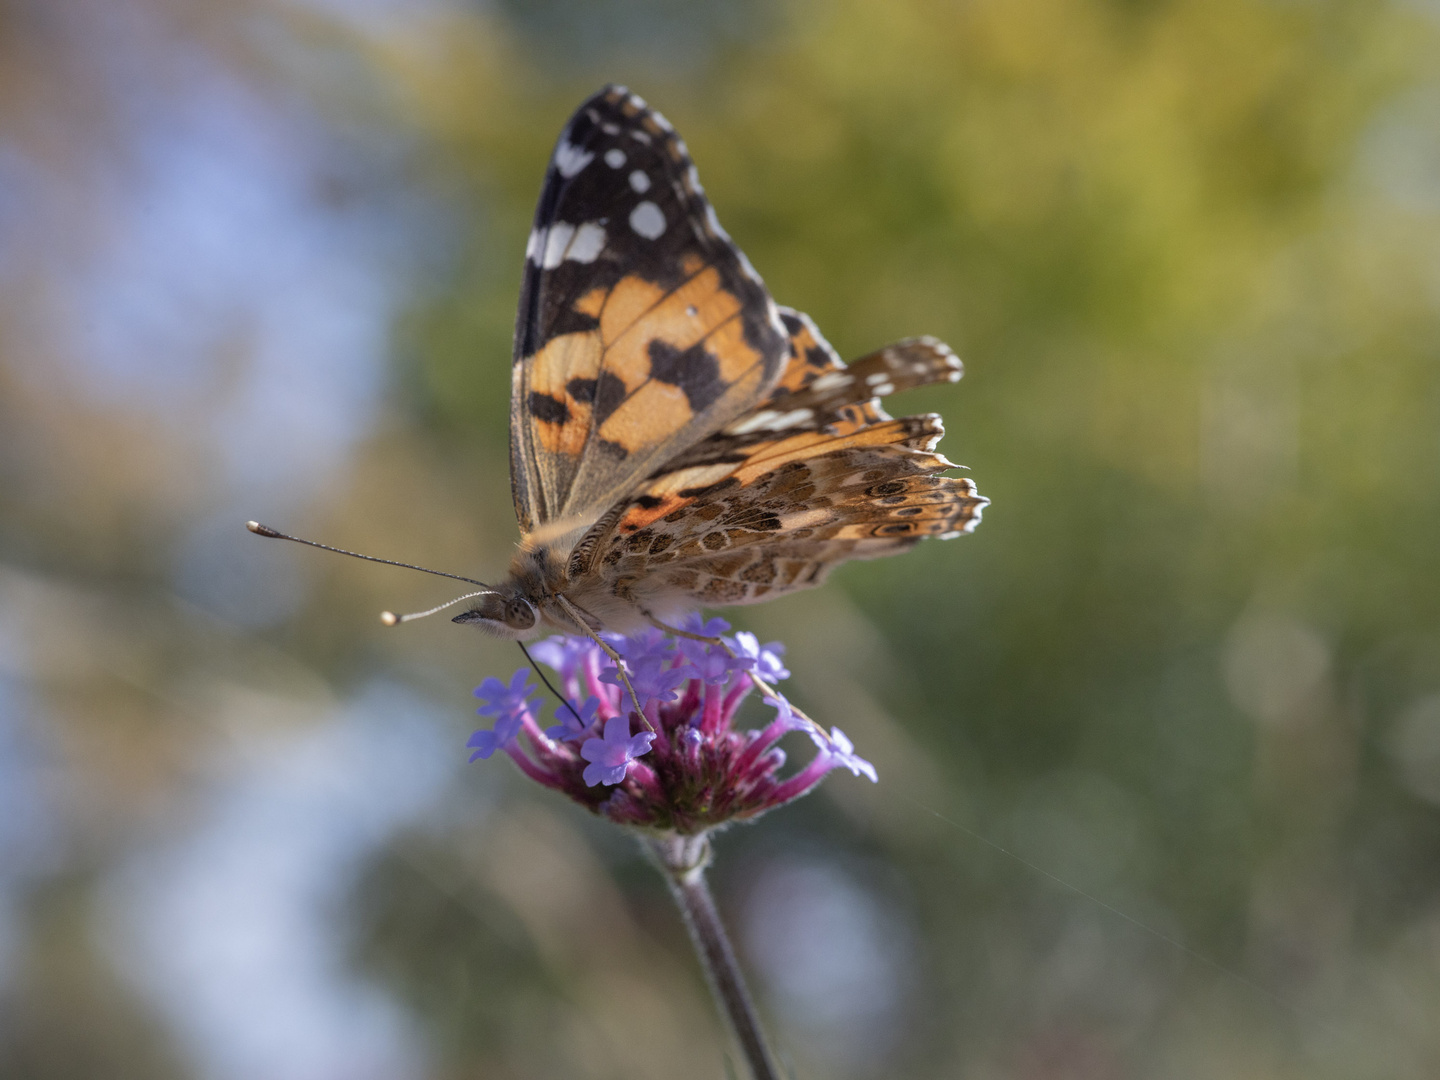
(641, 329)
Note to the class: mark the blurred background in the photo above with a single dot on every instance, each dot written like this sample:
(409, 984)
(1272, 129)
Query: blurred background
(259, 258)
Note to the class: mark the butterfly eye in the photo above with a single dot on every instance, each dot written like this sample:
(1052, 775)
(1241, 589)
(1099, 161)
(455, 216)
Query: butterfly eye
(520, 614)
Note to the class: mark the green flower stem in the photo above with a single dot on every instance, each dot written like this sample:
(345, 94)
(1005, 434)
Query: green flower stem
(683, 860)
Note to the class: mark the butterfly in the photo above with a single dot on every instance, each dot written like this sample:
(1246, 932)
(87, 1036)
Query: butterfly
(677, 439)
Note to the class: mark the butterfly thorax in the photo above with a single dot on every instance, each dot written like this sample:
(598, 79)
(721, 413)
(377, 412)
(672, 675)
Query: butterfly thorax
(528, 602)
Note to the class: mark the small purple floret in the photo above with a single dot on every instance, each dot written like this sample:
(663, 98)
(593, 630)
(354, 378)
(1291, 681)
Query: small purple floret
(713, 662)
(652, 680)
(564, 653)
(574, 723)
(766, 658)
(503, 701)
(509, 705)
(841, 751)
(785, 715)
(609, 756)
(487, 742)
(645, 647)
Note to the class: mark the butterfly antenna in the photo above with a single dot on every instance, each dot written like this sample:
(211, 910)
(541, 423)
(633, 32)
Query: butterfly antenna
(389, 618)
(546, 681)
(265, 530)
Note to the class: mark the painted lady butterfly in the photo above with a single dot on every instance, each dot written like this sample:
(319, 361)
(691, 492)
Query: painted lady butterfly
(676, 439)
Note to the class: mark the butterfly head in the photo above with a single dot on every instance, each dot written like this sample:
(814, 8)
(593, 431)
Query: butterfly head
(504, 612)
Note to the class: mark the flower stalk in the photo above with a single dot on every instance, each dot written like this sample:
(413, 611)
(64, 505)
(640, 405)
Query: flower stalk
(683, 860)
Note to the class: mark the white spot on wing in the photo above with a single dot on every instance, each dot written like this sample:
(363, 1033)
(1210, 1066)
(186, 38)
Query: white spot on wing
(793, 418)
(714, 223)
(760, 421)
(588, 243)
(771, 420)
(532, 246)
(639, 181)
(832, 380)
(749, 271)
(695, 476)
(806, 519)
(556, 242)
(614, 158)
(570, 159)
(648, 220)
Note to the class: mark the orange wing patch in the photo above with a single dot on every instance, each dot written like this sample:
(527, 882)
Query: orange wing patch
(649, 339)
(562, 380)
(655, 363)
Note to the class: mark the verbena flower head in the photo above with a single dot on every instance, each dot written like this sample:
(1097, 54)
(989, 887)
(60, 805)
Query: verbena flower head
(685, 767)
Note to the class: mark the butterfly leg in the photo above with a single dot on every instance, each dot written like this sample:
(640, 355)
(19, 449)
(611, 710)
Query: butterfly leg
(653, 621)
(765, 688)
(578, 618)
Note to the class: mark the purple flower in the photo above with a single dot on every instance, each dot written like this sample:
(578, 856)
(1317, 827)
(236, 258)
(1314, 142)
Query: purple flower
(645, 647)
(652, 680)
(692, 768)
(573, 726)
(785, 716)
(503, 701)
(609, 756)
(564, 654)
(486, 741)
(840, 751)
(510, 708)
(714, 663)
(696, 623)
(766, 658)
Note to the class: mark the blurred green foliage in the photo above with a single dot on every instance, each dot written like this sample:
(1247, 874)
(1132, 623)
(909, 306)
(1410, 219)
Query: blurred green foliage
(1188, 251)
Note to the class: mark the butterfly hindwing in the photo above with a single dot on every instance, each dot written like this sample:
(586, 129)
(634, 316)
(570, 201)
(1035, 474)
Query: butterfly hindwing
(808, 354)
(783, 528)
(642, 329)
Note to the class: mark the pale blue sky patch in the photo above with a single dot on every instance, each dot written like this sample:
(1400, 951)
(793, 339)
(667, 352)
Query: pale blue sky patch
(234, 926)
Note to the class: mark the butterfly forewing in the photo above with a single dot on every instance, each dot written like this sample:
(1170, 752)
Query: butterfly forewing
(642, 329)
